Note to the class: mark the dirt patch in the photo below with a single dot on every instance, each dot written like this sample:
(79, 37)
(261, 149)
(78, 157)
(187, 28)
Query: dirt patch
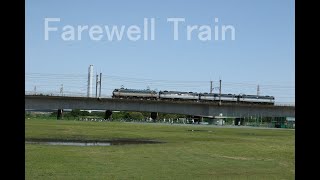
(199, 130)
(243, 158)
(237, 158)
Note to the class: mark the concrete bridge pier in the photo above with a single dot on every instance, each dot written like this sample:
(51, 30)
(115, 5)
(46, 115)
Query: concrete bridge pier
(60, 114)
(197, 119)
(108, 114)
(154, 116)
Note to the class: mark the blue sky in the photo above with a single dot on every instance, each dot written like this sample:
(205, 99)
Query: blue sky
(263, 51)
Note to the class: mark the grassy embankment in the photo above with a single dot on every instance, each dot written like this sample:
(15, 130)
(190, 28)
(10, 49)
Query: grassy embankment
(223, 153)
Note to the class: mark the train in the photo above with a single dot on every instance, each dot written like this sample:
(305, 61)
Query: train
(124, 93)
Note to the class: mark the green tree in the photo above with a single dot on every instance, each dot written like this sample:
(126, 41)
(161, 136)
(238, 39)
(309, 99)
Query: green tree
(75, 112)
(136, 115)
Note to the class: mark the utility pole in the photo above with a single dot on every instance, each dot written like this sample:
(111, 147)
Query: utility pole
(61, 90)
(258, 90)
(100, 84)
(97, 83)
(211, 88)
(35, 90)
(90, 80)
(220, 92)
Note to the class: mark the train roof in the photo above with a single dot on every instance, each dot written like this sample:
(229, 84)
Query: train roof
(177, 92)
(208, 94)
(134, 90)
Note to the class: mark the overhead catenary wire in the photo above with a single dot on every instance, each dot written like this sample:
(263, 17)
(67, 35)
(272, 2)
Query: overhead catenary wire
(77, 83)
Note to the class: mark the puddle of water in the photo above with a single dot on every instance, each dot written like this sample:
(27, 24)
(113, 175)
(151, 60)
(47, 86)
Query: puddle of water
(93, 143)
(72, 143)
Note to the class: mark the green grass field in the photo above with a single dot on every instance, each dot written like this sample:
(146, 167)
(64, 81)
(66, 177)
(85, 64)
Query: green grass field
(224, 153)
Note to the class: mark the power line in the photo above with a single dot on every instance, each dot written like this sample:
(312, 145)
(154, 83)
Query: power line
(40, 82)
